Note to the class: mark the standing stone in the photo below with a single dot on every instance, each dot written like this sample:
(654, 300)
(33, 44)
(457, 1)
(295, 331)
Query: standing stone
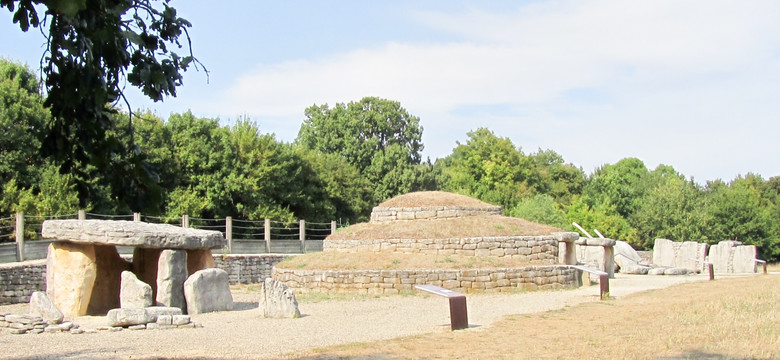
(207, 291)
(732, 257)
(171, 275)
(742, 261)
(277, 300)
(663, 253)
(70, 276)
(41, 305)
(135, 294)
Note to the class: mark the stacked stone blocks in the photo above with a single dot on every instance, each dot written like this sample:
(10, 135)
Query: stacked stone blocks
(390, 214)
(19, 280)
(396, 281)
(533, 248)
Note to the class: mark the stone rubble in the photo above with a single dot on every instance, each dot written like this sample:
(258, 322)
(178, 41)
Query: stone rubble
(158, 318)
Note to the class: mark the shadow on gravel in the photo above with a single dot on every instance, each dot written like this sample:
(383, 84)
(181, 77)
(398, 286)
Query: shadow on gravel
(244, 305)
(700, 355)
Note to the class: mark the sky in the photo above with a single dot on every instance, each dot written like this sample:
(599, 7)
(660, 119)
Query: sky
(691, 84)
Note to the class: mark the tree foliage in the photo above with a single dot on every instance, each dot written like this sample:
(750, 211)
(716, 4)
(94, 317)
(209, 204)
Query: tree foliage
(376, 136)
(93, 48)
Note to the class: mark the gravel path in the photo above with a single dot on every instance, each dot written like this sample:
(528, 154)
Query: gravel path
(242, 333)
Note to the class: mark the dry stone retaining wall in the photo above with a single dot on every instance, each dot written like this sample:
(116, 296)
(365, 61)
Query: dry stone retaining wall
(534, 248)
(395, 281)
(389, 214)
(19, 280)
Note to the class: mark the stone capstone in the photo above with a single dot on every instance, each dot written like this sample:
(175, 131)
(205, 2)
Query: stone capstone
(134, 293)
(208, 291)
(171, 275)
(277, 300)
(132, 233)
(41, 305)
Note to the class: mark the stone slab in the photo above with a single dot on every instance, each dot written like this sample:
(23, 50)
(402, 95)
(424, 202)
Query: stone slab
(132, 233)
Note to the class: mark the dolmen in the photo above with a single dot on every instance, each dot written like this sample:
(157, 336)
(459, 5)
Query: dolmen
(84, 269)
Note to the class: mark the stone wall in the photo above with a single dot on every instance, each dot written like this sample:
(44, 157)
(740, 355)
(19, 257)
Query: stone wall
(388, 214)
(247, 269)
(395, 281)
(533, 248)
(19, 280)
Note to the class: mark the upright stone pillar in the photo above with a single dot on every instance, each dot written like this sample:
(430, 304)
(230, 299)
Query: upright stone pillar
(171, 275)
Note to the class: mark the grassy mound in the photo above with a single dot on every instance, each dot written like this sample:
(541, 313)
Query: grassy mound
(464, 227)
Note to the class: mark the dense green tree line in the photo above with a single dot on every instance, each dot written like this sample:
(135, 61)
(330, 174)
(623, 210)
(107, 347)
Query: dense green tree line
(348, 158)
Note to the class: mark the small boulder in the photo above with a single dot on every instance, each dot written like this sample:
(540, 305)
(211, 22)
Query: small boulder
(134, 293)
(656, 271)
(676, 271)
(208, 290)
(277, 300)
(41, 305)
(127, 317)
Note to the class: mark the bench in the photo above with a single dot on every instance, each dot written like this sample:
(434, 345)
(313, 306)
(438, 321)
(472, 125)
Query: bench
(459, 318)
(709, 267)
(603, 279)
(761, 262)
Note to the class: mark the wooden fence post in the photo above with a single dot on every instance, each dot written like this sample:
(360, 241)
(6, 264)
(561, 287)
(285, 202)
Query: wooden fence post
(82, 215)
(20, 236)
(267, 228)
(185, 221)
(229, 233)
(332, 226)
(302, 235)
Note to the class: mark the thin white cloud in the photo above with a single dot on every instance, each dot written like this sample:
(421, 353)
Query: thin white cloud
(676, 80)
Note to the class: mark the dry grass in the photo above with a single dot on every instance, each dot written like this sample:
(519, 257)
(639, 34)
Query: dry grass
(724, 319)
(433, 198)
(470, 226)
(380, 260)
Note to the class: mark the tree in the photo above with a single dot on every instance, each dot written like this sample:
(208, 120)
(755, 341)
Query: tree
(673, 209)
(487, 167)
(560, 180)
(541, 208)
(740, 213)
(22, 116)
(377, 136)
(602, 216)
(621, 184)
(93, 48)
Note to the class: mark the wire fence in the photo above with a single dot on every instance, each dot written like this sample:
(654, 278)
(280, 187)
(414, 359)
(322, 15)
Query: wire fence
(232, 229)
